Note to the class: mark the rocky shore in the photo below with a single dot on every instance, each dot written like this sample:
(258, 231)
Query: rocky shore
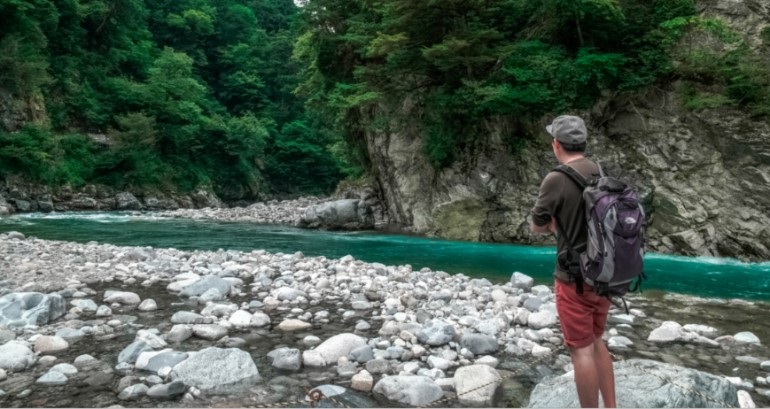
(100, 325)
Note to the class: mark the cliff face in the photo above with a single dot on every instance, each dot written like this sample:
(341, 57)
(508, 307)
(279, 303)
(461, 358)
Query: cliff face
(704, 176)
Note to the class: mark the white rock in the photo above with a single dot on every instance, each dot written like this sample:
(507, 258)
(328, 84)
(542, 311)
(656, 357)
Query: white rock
(122, 297)
(66, 369)
(313, 359)
(476, 385)
(240, 318)
(52, 378)
(747, 337)
(362, 381)
(294, 325)
(148, 305)
(744, 400)
(50, 345)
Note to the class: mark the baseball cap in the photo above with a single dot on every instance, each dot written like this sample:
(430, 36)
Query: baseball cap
(568, 129)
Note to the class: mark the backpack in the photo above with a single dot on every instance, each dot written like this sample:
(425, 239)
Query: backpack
(611, 258)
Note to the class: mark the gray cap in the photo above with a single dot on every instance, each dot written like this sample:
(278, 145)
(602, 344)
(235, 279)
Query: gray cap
(568, 129)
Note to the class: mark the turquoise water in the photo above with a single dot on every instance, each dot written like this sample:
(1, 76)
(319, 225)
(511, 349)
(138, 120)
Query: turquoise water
(701, 276)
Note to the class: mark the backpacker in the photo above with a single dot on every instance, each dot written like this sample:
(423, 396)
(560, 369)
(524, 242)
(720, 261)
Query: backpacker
(612, 257)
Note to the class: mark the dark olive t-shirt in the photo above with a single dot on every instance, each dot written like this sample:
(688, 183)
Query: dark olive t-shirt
(561, 197)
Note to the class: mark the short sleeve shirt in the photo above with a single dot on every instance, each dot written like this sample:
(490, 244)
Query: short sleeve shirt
(562, 198)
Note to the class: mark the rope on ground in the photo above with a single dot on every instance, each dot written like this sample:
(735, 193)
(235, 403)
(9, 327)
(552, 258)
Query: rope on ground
(511, 375)
(314, 396)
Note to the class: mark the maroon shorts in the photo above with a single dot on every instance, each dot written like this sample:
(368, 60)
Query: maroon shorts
(582, 316)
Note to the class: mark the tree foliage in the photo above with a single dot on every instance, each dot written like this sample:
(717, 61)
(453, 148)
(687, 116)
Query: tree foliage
(463, 62)
(188, 93)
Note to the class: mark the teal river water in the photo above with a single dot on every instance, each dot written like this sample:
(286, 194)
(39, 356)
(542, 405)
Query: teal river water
(700, 276)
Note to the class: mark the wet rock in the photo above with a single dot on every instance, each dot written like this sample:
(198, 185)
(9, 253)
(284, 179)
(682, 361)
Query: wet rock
(132, 351)
(240, 318)
(133, 392)
(362, 354)
(668, 331)
(103, 311)
(167, 391)
(127, 201)
(260, 319)
(85, 360)
(286, 358)
(215, 370)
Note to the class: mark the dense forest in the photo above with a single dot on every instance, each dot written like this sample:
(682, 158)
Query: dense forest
(261, 97)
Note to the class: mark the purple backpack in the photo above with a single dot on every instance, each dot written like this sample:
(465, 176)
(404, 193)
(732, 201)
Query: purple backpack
(612, 257)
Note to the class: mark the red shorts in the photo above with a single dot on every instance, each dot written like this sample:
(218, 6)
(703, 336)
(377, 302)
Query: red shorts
(582, 316)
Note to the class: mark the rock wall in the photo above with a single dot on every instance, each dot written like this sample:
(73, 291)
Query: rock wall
(17, 195)
(704, 176)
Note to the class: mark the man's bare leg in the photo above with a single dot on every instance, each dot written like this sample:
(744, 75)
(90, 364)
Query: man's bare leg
(606, 373)
(594, 373)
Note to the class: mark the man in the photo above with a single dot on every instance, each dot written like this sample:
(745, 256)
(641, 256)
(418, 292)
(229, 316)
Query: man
(559, 209)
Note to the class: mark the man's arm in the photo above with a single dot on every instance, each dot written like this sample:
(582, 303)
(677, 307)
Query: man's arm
(545, 229)
(543, 221)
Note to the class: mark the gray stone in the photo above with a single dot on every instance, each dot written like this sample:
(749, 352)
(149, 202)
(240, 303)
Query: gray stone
(212, 294)
(312, 358)
(16, 356)
(50, 345)
(64, 368)
(533, 304)
(522, 281)
(644, 384)
(148, 305)
(260, 319)
(186, 317)
(410, 390)
(127, 201)
(179, 333)
(122, 297)
(345, 214)
(133, 392)
(170, 358)
(541, 319)
(206, 283)
(167, 391)
(287, 293)
(52, 378)
(132, 351)
(668, 331)
(286, 358)
(479, 344)
(339, 346)
(765, 365)
(6, 335)
(436, 332)
(70, 335)
(747, 338)
(84, 360)
(218, 371)
(378, 366)
(21, 309)
(85, 305)
(103, 311)
(211, 332)
(361, 354)
(477, 385)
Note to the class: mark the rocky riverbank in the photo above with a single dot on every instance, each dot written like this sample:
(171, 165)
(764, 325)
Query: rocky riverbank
(100, 325)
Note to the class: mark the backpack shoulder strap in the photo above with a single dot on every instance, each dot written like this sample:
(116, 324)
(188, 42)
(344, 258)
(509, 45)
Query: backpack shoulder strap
(573, 174)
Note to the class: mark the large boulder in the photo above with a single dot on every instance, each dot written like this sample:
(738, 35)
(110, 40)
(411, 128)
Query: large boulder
(218, 371)
(345, 214)
(641, 383)
(409, 390)
(21, 309)
(127, 201)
